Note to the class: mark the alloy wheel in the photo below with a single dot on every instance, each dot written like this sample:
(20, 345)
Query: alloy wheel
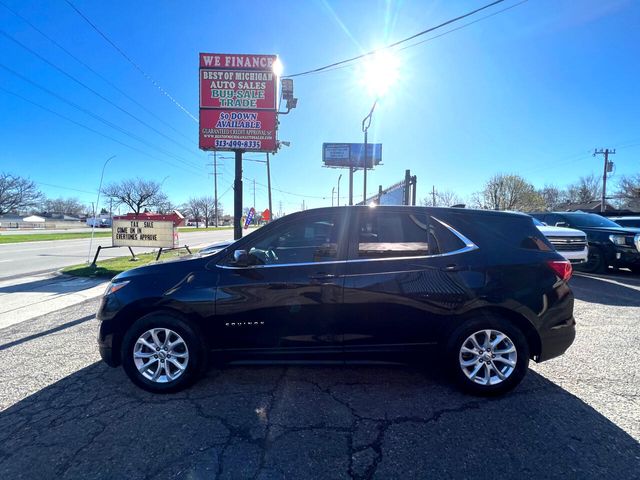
(160, 355)
(488, 357)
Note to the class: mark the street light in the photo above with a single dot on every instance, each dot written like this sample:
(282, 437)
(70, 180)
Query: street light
(379, 75)
(339, 189)
(93, 227)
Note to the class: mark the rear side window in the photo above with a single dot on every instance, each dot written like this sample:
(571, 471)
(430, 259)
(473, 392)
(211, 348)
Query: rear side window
(403, 234)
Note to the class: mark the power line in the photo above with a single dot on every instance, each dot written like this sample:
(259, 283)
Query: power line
(136, 66)
(89, 128)
(96, 116)
(464, 25)
(79, 82)
(65, 188)
(102, 77)
(395, 44)
(427, 39)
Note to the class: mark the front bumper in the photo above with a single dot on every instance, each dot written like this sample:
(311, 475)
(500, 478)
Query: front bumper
(105, 347)
(580, 256)
(626, 256)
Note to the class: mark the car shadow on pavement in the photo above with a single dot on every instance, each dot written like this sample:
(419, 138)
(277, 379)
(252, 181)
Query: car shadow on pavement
(61, 284)
(308, 422)
(614, 290)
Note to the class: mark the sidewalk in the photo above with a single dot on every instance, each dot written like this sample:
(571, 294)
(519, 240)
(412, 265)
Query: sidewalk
(34, 295)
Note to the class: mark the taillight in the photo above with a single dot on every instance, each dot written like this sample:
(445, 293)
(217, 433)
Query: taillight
(562, 268)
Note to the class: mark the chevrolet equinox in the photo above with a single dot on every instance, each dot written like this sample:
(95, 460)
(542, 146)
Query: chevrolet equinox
(484, 290)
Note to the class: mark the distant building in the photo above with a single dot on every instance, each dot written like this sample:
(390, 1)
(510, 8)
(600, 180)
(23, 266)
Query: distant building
(591, 207)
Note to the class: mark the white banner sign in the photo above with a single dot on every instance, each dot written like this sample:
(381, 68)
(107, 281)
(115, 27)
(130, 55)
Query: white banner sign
(144, 233)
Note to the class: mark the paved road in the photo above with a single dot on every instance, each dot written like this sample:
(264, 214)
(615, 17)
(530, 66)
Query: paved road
(65, 415)
(31, 257)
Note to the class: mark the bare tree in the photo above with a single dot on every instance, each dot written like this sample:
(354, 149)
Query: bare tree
(166, 207)
(508, 192)
(137, 194)
(17, 193)
(66, 206)
(585, 190)
(193, 210)
(445, 198)
(551, 196)
(207, 207)
(628, 192)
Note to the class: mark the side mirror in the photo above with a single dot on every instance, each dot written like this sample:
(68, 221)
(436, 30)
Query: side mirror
(241, 258)
(561, 224)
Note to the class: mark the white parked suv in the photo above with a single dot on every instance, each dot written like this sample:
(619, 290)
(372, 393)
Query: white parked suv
(568, 242)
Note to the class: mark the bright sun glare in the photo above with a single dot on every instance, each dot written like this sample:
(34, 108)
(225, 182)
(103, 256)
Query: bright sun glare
(277, 67)
(380, 72)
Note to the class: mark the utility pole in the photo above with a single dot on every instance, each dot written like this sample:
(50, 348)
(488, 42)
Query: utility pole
(333, 191)
(339, 177)
(254, 193)
(350, 185)
(606, 152)
(433, 195)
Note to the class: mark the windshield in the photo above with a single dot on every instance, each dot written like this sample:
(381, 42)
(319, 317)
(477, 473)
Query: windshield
(590, 220)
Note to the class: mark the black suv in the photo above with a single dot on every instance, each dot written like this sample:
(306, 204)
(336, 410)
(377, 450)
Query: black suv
(484, 289)
(609, 243)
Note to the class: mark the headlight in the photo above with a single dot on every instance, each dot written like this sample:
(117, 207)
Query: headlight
(114, 287)
(618, 239)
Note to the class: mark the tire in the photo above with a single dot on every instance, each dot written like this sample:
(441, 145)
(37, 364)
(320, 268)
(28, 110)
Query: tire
(595, 262)
(635, 269)
(175, 365)
(513, 365)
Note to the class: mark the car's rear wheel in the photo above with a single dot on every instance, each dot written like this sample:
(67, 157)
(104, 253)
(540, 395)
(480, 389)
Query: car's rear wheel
(162, 353)
(488, 356)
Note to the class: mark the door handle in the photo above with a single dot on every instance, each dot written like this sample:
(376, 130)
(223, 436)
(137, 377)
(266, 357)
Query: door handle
(322, 276)
(454, 268)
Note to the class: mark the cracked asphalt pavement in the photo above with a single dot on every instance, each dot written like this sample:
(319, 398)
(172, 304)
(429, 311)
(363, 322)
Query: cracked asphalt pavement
(63, 414)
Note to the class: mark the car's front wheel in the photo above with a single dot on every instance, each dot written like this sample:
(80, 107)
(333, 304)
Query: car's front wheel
(595, 263)
(162, 353)
(488, 356)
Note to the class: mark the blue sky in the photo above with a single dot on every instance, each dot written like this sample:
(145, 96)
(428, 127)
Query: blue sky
(531, 91)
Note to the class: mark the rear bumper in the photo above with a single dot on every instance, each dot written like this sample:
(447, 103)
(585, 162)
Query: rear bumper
(555, 341)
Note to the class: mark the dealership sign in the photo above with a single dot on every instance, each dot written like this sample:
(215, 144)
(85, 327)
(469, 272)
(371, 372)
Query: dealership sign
(351, 154)
(238, 100)
(144, 233)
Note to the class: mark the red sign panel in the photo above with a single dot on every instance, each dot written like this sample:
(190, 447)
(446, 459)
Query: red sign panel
(238, 102)
(238, 130)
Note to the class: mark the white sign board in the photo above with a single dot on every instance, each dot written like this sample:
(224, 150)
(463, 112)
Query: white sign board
(144, 233)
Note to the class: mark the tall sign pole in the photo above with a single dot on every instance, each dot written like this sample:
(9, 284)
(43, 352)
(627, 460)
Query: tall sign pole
(215, 187)
(269, 187)
(237, 197)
